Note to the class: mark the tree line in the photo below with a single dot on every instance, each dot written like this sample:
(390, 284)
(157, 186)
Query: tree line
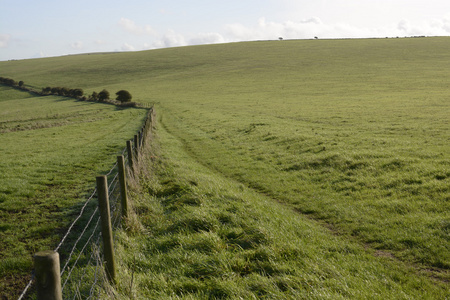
(122, 96)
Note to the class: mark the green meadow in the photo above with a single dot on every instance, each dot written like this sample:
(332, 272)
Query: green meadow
(315, 169)
(51, 148)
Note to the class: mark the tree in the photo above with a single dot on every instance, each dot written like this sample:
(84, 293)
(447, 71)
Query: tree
(103, 95)
(94, 96)
(76, 93)
(64, 92)
(123, 96)
(56, 90)
(21, 83)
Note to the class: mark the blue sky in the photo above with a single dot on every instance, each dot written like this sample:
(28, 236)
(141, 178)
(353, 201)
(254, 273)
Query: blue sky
(41, 28)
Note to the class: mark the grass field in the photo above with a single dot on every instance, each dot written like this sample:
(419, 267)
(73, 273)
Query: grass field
(351, 135)
(51, 148)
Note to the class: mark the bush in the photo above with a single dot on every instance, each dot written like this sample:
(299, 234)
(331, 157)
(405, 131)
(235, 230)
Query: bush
(123, 96)
(76, 93)
(47, 90)
(94, 96)
(64, 92)
(8, 81)
(103, 95)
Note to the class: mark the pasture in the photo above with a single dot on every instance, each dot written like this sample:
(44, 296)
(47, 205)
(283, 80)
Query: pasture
(51, 148)
(350, 136)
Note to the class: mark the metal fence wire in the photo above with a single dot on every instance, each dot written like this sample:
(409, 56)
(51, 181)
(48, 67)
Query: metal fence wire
(79, 248)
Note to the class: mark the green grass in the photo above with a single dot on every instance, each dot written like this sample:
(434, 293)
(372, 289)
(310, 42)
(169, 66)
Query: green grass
(52, 149)
(204, 236)
(353, 134)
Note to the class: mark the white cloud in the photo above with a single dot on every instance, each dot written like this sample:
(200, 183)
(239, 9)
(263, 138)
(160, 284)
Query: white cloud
(77, 45)
(127, 47)
(428, 28)
(170, 39)
(207, 38)
(311, 27)
(40, 54)
(4, 40)
(132, 27)
(314, 20)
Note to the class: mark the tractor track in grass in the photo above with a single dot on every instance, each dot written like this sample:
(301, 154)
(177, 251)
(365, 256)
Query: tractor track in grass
(437, 274)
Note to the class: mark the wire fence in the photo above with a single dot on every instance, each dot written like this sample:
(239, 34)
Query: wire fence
(79, 248)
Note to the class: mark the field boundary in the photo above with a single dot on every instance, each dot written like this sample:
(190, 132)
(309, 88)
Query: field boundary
(76, 94)
(79, 248)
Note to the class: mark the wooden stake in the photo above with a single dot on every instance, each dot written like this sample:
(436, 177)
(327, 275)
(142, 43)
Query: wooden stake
(123, 186)
(105, 218)
(130, 155)
(48, 279)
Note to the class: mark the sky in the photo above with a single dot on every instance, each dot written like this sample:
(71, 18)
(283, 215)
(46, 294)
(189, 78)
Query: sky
(45, 28)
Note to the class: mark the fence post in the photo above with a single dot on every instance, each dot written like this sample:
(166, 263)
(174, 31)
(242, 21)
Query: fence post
(130, 155)
(123, 186)
(105, 217)
(136, 146)
(48, 278)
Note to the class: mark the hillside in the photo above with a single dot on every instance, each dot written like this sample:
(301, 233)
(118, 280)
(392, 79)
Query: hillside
(351, 136)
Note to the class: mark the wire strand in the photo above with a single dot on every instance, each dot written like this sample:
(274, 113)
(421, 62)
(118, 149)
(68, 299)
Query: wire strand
(79, 238)
(76, 219)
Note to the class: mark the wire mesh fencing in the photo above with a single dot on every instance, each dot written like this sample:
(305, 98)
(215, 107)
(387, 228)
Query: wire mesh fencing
(80, 248)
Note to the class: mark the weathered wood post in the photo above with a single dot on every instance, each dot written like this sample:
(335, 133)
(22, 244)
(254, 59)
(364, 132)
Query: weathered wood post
(48, 278)
(105, 218)
(130, 155)
(136, 146)
(123, 185)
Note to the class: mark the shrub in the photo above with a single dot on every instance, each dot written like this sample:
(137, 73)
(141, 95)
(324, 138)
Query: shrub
(76, 93)
(103, 95)
(94, 96)
(56, 90)
(123, 96)
(47, 90)
(64, 92)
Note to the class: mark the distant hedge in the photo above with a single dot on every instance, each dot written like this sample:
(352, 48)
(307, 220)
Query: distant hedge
(124, 97)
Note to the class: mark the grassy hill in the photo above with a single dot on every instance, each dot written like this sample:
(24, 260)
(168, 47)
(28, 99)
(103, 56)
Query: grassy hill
(351, 136)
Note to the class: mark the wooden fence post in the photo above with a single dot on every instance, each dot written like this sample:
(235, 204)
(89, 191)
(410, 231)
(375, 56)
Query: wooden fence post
(48, 278)
(105, 218)
(123, 186)
(136, 146)
(130, 155)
